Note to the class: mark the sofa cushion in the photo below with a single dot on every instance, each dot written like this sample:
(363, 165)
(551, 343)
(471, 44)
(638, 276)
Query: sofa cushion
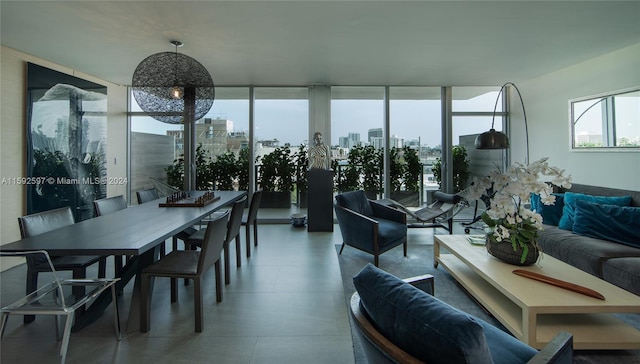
(551, 214)
(581, 251)
(623, 272)
(428, 328)
(356, 201)
(570, 198)
(620, 224)
(504, 348)
(390, 231)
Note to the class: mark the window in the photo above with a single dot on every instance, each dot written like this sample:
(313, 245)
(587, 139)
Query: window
(606, 121)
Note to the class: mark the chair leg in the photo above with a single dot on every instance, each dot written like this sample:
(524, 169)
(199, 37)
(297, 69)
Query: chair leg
(174, 244)
(227, 266)
(248, 240)
(255, 233)
(3, 325)
(218, 273)
(342, 247)
(174, 289)
(238, 252)
(116, 312)
(65, 337)
(198, 301)
(375, 260)
(162, 250)
(405, 248)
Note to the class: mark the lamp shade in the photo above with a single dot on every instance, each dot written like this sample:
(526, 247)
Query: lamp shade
(492, 139)
(159, 83)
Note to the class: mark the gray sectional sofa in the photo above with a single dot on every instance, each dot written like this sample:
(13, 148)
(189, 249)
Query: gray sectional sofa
(612, 261)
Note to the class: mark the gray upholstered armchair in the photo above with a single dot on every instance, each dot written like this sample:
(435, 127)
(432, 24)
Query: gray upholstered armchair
(369, 226)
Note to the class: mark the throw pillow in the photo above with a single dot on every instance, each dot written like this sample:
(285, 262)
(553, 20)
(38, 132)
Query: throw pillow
(570, 198)
(620, 224)
(551, 214)
(419, 323)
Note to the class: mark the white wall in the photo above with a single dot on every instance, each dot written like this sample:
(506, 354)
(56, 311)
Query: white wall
(13, 136)
(547, 104)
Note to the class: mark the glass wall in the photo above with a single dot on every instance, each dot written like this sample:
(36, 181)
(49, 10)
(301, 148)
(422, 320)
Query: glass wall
(281, 131)
(415, 140)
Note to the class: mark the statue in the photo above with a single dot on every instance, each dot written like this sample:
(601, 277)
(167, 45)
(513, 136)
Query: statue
(319, 153)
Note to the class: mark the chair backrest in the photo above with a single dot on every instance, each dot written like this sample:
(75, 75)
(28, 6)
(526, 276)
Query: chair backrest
(213, 242)
(377, 348)
(235, 219)
(253, 207)
(43, 222)
(147, 195)
(109, 205)
(355, 201)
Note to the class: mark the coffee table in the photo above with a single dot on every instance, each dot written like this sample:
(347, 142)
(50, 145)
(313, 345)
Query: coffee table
(534, 312)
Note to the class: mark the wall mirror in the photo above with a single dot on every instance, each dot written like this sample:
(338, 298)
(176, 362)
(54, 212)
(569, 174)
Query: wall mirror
(610, 120)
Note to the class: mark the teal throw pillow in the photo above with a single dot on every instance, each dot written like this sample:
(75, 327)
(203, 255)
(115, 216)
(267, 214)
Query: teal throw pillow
(419, 323)
(570, 198)
(551, 214)
(620, 224)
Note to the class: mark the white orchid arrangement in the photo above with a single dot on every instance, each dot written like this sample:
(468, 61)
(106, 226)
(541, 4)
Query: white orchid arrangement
(507, 216)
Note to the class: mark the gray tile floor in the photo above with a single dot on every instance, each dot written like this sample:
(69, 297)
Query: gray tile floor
(284, 305)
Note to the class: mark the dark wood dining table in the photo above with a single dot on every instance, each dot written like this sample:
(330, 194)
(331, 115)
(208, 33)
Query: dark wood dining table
(136, 231)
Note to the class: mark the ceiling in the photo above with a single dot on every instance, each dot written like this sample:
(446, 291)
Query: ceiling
(325, 42)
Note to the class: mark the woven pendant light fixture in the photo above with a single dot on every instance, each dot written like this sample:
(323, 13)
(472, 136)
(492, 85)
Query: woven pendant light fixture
(172, 87)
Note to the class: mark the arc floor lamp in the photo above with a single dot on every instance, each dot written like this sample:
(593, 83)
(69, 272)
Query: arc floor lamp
(493, 139)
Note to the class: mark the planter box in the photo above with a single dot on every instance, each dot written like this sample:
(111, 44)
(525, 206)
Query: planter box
(407, 198)
(276, 199)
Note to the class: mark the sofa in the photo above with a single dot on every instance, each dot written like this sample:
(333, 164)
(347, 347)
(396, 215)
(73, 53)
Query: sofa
(400, 322)
(596, 229)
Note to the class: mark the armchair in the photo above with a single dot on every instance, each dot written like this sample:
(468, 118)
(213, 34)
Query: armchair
(369, 226)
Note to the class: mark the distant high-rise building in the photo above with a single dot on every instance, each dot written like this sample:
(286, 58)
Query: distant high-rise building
(354, 139)
(343, 142)
(374, 133)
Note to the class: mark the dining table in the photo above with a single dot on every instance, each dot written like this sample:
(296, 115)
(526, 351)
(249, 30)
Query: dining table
(136, 231)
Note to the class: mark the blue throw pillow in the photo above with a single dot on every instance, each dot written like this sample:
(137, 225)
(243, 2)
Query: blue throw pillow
(419, 323)
(570, 198)
(551, 214)
(620, 224)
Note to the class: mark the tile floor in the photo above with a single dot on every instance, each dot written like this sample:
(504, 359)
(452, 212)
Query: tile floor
(284, 305)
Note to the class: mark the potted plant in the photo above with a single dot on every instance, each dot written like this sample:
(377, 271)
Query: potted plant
(276, 177)
(224, 171)
(460, 168)
(204, 177)
(242, 165)
(513, 227)
(405, 172)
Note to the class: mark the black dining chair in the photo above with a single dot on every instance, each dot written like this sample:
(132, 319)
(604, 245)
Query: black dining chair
(233, 232)
(106, 206)
(188, 264)
(42, 222)
(147, 195)
(252, 219)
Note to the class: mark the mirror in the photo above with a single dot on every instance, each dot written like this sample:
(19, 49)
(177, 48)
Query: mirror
(610, 120)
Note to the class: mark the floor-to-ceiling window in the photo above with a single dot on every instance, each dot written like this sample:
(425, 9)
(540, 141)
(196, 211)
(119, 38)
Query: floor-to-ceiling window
(157, 148)
(281, 130)
(415, 136)
(357, 137)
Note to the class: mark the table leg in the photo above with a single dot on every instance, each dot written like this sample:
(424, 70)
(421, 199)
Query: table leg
(436, 252)
(131, 270)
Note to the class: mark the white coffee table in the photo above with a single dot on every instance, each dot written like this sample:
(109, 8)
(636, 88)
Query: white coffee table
(533, 311)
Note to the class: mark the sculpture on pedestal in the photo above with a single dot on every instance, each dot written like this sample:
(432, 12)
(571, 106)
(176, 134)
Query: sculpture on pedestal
(319, 154)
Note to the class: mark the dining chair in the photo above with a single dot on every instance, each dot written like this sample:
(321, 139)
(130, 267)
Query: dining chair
(55, 299)
(252, 219)
(152, 194)
(188, 264)
(42, 222)
(233, 232)
(107, 206)
(147, 195)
